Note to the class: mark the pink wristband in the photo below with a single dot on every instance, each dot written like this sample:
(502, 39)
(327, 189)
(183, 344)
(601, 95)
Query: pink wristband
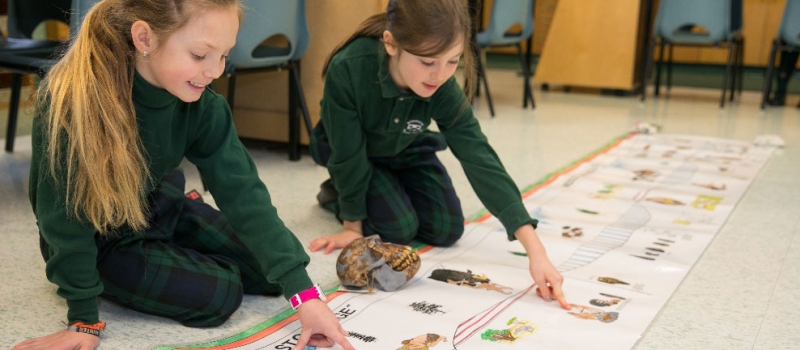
(312, 293)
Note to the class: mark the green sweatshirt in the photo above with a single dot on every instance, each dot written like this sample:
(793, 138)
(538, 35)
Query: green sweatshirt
(170, 130)
(366, 115)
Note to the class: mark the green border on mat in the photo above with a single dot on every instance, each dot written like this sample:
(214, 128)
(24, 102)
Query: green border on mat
(283, 315)
(240, 336)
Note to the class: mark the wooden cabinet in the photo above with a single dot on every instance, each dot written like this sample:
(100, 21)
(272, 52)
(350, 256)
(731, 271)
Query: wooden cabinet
(593, 44)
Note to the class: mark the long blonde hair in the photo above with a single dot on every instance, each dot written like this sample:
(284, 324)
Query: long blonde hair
(423, 28)
(88, 115)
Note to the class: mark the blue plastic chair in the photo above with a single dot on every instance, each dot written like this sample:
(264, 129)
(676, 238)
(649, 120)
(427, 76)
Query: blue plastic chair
(788, 39)
(677, 22)
(505, 15)
(263, 20)
(21, 55)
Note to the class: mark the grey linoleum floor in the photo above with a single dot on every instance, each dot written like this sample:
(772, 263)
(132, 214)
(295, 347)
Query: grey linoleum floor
(743, 293)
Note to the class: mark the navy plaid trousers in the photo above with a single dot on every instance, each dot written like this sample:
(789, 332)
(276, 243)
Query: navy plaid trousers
(410, 195)
(188, 266)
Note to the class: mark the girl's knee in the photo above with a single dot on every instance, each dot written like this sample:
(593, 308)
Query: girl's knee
(446, 238)
(219, 306)
(396, 232)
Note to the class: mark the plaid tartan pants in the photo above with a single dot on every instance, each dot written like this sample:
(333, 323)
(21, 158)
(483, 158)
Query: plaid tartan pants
(410, 195)
(188, 266)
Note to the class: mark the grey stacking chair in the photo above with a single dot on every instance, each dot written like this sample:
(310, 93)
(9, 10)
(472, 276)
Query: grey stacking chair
(505, 15)
(263, 20)
(677, 23)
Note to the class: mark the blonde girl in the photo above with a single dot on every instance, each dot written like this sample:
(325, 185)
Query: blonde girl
(115, 117)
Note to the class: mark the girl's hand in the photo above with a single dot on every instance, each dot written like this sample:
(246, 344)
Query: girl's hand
(334, 241)
(66, 340)
(547, 278)
(320, 327)
(351, 232)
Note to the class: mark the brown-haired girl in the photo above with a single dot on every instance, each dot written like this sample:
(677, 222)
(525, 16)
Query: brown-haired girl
(384, 86)
(115, 117)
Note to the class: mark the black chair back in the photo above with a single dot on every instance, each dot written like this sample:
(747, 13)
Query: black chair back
(25, 15)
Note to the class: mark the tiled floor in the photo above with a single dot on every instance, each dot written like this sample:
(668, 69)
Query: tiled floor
(743, 293)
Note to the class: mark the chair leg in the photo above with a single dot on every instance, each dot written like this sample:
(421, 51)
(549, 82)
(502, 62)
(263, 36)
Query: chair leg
(482, 76)
(727, 75)
(527, 92)
(768, 77)
(741, 65)
(648, 65)
(528, 55)
(669, 69)
(13, 111)
(301, 96)
(738, 68)
(735, 68)
(294, 122)
(658, 67)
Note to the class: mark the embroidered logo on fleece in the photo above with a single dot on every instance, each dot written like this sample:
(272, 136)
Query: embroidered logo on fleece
(413, 127)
